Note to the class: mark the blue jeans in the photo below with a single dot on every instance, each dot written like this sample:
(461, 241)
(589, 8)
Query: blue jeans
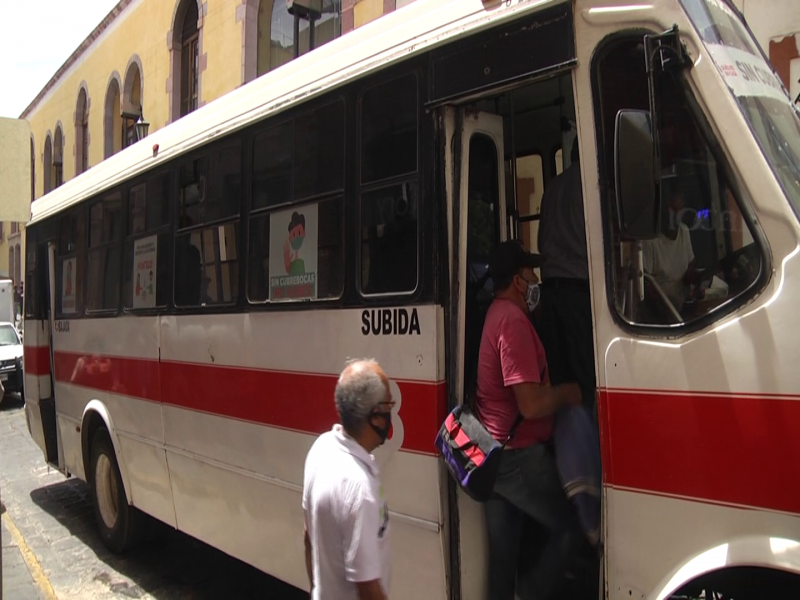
(528, 488)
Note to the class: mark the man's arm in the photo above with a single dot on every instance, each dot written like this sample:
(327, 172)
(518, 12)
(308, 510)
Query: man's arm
(370, 590)
(537, 400)
(307, 543)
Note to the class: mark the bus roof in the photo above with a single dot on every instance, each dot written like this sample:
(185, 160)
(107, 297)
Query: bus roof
(419, 26)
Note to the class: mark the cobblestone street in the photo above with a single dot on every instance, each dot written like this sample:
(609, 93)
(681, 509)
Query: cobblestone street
(51, 548)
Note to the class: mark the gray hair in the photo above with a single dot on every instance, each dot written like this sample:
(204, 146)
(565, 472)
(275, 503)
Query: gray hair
(359, 390)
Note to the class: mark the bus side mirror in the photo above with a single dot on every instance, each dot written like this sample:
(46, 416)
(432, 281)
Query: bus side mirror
(634, 159)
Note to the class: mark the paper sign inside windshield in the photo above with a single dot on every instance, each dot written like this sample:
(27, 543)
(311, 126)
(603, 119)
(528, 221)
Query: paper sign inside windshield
(747, 74)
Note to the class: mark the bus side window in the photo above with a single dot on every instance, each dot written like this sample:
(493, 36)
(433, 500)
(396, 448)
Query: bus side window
(296, 229)
(705, 254)
(33, 310)
(70, 263)
(389, 190)
(105, 237)
(147, 276)
(206, 245)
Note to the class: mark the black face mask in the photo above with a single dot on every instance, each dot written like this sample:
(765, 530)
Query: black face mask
(383, 432)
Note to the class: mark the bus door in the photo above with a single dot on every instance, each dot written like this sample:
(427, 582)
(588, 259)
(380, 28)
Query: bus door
(40, 406)
(477, 224)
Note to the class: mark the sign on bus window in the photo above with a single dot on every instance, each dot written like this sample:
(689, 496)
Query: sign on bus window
(145, 251)
(68, 287)
(293, 253)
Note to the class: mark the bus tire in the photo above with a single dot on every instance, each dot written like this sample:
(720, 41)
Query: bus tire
(120, 525)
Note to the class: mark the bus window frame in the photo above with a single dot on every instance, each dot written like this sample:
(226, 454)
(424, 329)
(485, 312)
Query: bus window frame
(244, 141)
(250, 211)
(415, 177)
(723, 162)
(80, 210)
(165, 228)
(30, 308)
(123, 191)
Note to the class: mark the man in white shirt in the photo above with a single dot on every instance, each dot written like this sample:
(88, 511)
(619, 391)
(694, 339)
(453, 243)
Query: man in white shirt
(346, 518)
(669, 258)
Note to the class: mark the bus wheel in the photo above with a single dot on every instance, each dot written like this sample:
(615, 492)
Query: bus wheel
(120, 524)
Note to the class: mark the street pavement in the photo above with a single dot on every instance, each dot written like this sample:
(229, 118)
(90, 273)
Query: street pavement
(51, 549)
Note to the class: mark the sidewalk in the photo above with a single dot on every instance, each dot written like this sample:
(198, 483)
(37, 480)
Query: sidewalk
(17, 580)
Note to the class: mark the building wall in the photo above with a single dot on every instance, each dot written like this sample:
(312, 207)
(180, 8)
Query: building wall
(222, 46)
(140, 32)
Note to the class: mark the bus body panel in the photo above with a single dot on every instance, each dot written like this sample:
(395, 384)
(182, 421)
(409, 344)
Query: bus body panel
(36, 344)
(213, 414)
(697, 431)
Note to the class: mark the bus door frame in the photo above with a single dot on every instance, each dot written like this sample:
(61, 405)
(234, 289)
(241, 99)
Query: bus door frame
(466, 533)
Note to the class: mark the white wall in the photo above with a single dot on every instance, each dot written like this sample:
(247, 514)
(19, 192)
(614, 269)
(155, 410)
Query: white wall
(771, 18)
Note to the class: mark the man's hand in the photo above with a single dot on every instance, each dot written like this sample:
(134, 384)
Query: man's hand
(370, 590)
(537, 400)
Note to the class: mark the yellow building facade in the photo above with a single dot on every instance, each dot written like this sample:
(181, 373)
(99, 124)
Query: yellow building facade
(162, 59)
(158, 60)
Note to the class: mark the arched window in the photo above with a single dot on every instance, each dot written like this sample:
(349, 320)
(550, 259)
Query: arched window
(47, 165)
(33, 172)
(112, 118)
(185, 44)
(282, 46)
(190, 57)
(131, 102)
(17, 265)
(82, 133)
(58, 158)
(11, 263)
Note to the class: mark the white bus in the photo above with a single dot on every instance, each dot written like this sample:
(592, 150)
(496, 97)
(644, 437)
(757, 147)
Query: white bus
(191, 300)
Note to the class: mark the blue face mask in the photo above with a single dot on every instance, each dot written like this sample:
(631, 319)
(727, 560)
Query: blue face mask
(532, 296)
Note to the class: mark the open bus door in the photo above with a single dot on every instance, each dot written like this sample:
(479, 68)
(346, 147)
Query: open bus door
(40, 404)
(475, 185)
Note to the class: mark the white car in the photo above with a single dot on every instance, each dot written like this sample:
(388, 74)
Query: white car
(11, 365)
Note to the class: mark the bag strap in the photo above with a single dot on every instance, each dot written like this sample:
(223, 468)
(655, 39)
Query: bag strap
(511, 433)
(472, 404)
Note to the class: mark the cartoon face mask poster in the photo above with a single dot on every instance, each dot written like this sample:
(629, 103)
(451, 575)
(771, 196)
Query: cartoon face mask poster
(293, 254)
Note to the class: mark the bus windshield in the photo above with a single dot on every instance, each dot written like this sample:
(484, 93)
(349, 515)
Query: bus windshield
(763, 99)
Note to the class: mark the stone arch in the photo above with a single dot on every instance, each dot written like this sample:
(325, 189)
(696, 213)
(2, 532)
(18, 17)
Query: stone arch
(112, 116)
(82, 138)
(133, 89)
(247, 13)
(18, 265)
(184, 41)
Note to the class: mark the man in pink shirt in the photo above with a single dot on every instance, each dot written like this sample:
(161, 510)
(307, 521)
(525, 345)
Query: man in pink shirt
(513, 381)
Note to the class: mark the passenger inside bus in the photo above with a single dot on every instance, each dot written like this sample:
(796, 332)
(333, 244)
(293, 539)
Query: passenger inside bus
(711, 216)
(534, 118)
(188, 268)
(669, 258)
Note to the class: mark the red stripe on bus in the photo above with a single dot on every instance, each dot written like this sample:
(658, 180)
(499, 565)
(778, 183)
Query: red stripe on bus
(730, 449)
(136, 377)
(290, 400)
(296, 401)
(37, 360)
